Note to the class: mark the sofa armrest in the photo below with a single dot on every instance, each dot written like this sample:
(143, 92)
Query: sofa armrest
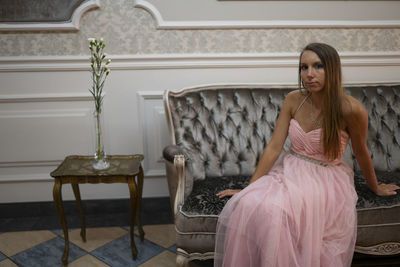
(170, 152)
(179, 163)
(175, 168)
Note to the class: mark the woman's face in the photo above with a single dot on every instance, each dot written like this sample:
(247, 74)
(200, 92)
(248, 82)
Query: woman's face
(312, 71)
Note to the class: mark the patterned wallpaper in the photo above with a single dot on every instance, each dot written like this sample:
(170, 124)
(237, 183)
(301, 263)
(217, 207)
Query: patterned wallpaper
(129, 30)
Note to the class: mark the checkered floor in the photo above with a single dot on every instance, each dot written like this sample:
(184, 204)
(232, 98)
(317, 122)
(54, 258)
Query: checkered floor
(105, 246)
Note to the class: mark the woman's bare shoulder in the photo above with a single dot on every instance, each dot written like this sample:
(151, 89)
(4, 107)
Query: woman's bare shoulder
(296, 94)
(294, 98)
(352, 107)
(353, 110)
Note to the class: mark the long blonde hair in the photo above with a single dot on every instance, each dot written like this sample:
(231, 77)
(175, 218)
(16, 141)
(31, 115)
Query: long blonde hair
(333, 97)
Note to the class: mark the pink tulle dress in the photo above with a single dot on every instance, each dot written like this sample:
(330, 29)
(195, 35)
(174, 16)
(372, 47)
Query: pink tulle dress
(301, 214)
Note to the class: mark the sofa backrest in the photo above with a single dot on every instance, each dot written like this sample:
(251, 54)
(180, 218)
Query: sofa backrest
(223, 129)
(382, 103)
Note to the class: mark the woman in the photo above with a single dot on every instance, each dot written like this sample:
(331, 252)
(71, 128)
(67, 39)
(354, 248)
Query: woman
(300, 211)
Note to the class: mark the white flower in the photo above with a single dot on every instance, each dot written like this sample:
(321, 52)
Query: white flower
(98, 68)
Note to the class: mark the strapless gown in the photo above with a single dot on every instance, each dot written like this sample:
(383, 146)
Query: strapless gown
(301, 214)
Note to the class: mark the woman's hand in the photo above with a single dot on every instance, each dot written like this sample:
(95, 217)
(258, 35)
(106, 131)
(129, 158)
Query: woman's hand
(387, 189)
(227, 193)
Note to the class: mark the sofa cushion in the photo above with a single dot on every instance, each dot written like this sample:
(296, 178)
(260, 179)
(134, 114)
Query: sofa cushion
(203, 199)
(202, 207)
(367, 200)
(378, 217)
(199, 213)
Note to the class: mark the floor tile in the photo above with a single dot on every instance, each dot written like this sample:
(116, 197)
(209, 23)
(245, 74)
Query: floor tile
(12, 243)
(7, 263)
(164, 259)
(47, 254)
(59, 232)
(2, 256)
(96, 237)
(87, 261)
(163, 234)
(172, 248)
(118, 253)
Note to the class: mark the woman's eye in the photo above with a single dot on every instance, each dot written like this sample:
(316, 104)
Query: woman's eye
(303, 67)
(319, 66)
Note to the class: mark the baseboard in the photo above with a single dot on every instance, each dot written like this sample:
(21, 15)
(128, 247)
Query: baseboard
(98, 213)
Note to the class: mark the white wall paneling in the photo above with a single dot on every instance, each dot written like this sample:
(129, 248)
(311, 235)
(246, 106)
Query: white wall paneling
(155, 132)
(36, 136)
(212, 14)
(45, 109)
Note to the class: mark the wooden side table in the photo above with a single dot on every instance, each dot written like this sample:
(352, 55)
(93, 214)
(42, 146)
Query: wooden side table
(77, 170)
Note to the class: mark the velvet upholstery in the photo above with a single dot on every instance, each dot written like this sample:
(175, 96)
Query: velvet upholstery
(222, 130)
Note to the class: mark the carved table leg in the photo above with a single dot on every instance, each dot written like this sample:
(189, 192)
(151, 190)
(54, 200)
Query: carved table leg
(133, 198)
(75, 188)
(59, 205)
(139, 203)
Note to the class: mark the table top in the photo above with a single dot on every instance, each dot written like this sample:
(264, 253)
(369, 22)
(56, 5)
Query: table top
(81, 166)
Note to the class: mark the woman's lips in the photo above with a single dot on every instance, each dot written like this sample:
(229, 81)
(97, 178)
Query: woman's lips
(311, 83)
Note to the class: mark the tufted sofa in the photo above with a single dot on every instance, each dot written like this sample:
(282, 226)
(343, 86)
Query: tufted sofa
(218, 134)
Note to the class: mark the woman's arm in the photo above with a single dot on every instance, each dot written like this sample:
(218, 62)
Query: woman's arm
(357, 126)
(275, 146)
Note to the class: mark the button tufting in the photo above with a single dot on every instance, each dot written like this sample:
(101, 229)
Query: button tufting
(240, 122)
(245, 114)
(248, 144)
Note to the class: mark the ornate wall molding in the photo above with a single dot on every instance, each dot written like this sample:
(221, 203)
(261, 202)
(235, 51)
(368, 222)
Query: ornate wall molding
(166, 19)
(45, 98)
(47, 25)
(189, 61)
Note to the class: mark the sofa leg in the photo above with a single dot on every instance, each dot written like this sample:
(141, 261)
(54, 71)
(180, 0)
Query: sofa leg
(181, 261)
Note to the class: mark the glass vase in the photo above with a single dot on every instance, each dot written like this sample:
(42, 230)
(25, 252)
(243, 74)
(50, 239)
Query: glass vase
(100, 158)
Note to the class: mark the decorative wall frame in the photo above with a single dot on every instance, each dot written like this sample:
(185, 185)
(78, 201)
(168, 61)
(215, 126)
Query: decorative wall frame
(43, 15)
(269, 14)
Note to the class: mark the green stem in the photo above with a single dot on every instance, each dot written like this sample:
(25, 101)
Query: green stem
(99, 156)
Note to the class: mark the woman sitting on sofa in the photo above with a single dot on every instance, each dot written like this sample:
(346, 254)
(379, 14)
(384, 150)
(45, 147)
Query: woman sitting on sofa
(301, 210)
